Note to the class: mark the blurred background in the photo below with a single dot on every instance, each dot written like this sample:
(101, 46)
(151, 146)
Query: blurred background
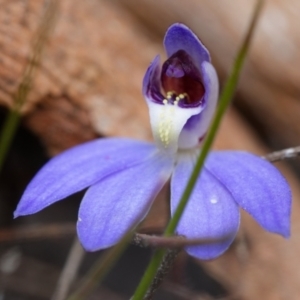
(88, 85)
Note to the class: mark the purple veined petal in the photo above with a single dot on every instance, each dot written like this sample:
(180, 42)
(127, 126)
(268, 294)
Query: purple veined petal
(180, 37)
(211, 212)
(78, 168)
(120, 201)
(257, 186)
(197, 126)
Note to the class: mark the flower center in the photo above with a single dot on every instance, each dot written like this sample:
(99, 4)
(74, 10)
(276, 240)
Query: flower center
(181, 80)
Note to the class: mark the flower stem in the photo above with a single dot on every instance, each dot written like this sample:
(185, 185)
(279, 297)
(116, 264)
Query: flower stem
(225, 100)
(163, 270)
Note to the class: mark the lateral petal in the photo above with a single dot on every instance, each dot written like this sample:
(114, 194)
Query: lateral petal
(120, 201)
(257, 186)
(211, 212)
(78, 168)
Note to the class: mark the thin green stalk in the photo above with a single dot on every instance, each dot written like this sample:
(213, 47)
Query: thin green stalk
(225, 100)
(9, 128)
(101, 268)
(13, 118)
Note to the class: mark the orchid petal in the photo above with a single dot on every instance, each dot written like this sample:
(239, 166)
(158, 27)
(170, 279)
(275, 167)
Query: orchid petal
(78, 168)
(257, 186)
(117, 203)
(194, 130)
(211, 212)
(180, 37)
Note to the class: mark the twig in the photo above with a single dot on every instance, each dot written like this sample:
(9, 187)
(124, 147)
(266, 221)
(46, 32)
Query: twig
(69, 271)
(37, 232)
(174, 245)
(144, 240)
(283, 154)
(65, 229)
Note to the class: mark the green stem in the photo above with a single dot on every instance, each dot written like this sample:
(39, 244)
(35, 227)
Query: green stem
(13, 118)
(9, 128)
(225, 100)
(149, 274)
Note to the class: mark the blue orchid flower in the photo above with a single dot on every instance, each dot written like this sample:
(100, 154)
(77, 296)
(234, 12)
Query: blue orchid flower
(123, 176)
